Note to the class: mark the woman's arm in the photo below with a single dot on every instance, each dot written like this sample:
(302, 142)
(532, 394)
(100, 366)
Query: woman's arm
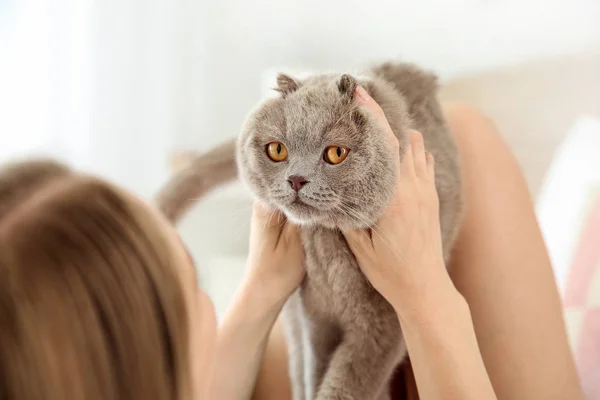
(241, 342)
(501, 266)
(405, 263)
(275, 268)
(446, 360)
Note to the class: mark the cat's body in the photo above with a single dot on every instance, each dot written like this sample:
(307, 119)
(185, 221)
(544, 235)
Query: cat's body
(348, 335)
(344, 338)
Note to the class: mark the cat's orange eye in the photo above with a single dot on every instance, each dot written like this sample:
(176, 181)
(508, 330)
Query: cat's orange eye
(336, 154)
(277, 151)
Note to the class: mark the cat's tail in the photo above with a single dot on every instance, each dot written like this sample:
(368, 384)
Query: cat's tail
(199, 176)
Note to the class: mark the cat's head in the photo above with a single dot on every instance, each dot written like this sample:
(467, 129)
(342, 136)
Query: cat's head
(313, 153)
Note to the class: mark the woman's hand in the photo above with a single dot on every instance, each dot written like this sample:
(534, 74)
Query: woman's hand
(276, 258)
(275, 269)
(403, 260)
(402, 256)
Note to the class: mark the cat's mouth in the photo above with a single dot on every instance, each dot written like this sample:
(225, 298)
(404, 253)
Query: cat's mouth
(304, 210)
(301, 206)
(298, 201)
(301, 211)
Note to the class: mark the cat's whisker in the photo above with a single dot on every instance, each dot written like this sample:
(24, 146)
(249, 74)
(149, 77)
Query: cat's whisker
(323, 106)
(284, 219)
(235, 235)
(232, 237)
(356, 214)
(351, 216)
(268, 221)
(282, 223)
(240, 211)
(245, 226)
(374, 228)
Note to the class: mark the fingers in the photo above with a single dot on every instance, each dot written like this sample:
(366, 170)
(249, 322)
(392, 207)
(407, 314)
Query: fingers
(370, 104)
(407, 166)
(266, 215)
(417, 162)
(430, 165)
(290, 234)
(418, 150)
(365, 100)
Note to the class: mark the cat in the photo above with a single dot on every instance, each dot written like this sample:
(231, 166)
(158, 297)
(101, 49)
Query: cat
(314, 154)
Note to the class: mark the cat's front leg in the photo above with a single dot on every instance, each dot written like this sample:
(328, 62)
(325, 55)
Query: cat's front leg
(324, 337)
(294, 334)
(362, 366)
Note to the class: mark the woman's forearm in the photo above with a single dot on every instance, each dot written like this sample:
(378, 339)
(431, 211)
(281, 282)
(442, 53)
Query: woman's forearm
(443, 350)
(241, 341)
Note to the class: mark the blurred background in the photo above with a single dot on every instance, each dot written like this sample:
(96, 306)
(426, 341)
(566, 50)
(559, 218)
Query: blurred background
(117, 87)
(113, 85)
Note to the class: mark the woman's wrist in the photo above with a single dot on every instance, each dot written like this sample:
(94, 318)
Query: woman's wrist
(440, 339)
(434, 300)
(263, 293)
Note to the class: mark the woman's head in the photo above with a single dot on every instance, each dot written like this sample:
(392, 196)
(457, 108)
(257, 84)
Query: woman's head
(97, 295)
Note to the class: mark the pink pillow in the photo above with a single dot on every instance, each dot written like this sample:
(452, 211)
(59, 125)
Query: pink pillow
(582, 302)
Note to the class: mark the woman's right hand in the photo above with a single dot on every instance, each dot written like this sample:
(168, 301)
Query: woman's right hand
(403, 257)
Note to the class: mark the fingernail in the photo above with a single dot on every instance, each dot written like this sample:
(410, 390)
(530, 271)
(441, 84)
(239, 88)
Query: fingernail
(361, 95)
(415, 136)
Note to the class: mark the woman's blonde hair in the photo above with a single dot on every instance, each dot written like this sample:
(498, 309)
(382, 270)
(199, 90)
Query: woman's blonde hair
(91, 305)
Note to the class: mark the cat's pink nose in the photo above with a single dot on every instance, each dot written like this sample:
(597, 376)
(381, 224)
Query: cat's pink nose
(296, 182)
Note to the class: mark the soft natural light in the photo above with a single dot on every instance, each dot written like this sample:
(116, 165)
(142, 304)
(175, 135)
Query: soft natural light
(25, 78)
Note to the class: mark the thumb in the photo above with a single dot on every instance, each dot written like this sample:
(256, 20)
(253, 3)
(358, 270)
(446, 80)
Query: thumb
(290, 234)
(365, 100)
(267, 221)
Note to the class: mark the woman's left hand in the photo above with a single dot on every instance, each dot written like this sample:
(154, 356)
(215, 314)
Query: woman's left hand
(275, 268)
(276, 258)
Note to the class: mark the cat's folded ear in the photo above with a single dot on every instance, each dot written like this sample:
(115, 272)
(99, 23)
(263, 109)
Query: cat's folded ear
(347, 85)
(286, 84)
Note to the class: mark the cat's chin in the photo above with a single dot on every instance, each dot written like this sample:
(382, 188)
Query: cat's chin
(302, 214)
(313, 222)
(323, 219)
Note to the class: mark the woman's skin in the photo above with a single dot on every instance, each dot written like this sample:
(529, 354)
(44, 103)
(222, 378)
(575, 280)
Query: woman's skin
(496, 323)
(500, 267)
(202, 320)
(226, 359)
(405, 263)
(493, 328)
(274, 270)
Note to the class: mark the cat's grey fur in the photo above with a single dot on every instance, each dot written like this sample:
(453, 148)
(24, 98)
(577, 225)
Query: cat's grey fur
(344, 338)
(202, 174)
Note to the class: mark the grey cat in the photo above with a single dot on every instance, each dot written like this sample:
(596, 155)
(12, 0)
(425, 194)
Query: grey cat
(314, 154)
